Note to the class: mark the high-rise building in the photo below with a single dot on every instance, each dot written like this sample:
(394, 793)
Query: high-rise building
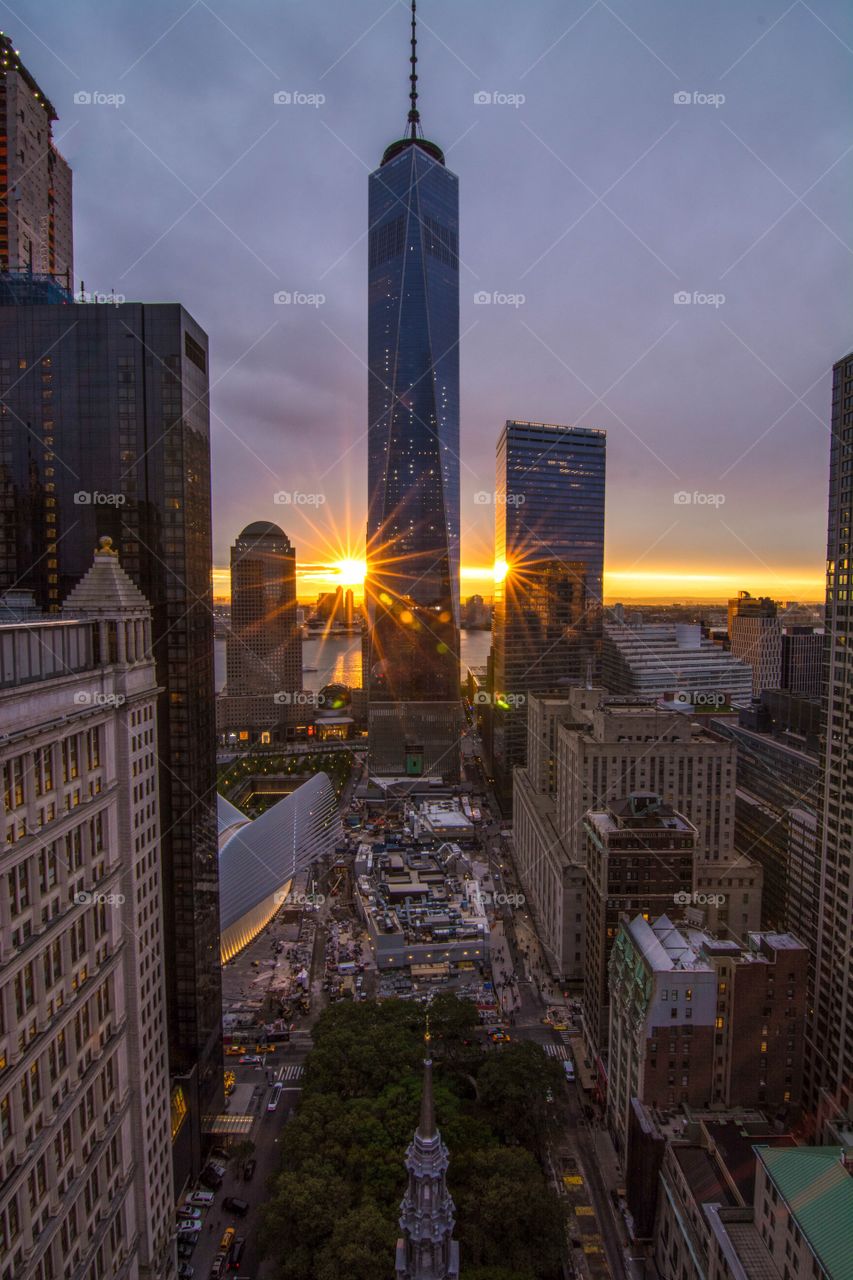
(831, 1066)
(35, 181)
(802, 661)
(412, 585)
(85, 1144)
(549, 556)
(672, 660)
(115, 401)
(704, 1021)
(639, 857)
(589, 749)
(426, 1249)
(777, 818)
(264, 642)
(755, 637)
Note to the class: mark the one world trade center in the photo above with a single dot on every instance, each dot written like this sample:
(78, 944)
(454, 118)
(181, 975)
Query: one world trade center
(412, 586)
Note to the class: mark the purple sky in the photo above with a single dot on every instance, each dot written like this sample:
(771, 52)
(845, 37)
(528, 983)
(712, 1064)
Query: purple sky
(597, 198)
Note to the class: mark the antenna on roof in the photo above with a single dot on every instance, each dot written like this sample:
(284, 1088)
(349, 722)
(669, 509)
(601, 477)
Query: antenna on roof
(414, 114)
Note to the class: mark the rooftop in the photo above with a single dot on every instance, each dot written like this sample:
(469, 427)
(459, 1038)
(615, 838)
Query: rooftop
(818, 1189)
(700, 1173)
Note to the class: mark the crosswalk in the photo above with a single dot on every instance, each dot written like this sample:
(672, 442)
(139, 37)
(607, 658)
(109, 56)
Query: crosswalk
(291, 1072)
(557, 1051)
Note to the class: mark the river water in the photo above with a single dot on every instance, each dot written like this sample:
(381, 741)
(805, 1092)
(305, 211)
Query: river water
(338, 658)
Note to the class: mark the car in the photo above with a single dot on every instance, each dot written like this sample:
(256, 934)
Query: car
(249, 1170)
(190, 1228)
(211, 1177)
(499, 1037)
(549, 1096)
(569, 1069)
(237, 1252)
(232, 1204)
(189, 1212)
(185, 1271)
(201, 1198)
(249, 1059)
(185, 1247)
(217, 1267)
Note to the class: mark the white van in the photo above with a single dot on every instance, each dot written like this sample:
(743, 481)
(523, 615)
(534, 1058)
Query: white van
(569, 1069)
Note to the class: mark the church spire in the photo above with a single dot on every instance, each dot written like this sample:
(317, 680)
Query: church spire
(426, 1127)
(426, 1249)
(414, 114)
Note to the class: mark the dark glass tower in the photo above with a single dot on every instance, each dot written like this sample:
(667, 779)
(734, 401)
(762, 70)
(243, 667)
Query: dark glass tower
(549, 545)
(104, 430)
(412, 586)
(829, 1049)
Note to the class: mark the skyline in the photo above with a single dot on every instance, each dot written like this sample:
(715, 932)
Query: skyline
(599, 339)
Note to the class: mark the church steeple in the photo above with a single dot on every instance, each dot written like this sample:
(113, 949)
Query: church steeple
(426, 1250)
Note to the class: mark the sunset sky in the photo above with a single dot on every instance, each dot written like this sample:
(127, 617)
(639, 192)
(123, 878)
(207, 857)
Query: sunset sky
(649, 158)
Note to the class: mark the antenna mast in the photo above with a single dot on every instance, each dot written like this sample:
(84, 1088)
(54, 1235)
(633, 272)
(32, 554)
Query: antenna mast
(414, 114)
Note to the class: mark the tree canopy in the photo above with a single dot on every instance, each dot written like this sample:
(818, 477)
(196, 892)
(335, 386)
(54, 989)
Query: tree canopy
(333, 1207)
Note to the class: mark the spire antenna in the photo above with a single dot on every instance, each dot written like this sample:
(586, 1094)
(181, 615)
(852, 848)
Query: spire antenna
(414, 114)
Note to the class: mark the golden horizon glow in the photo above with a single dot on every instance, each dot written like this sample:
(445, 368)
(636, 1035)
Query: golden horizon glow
(662, 583)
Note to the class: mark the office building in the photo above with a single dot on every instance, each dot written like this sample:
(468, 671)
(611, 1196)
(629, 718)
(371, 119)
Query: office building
(755, 637)
(802, 661)
(703, 1021)
(549, 550)
(412, 584)
(85, 1144)
(673, 661)
(639, 858)
(264, 643)
(831, 1065)
(777, 818)
(115, 399)
(36, 237)
(604, 748)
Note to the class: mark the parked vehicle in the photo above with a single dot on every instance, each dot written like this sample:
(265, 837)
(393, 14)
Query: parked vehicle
(188, 1213)
(249, 1170)
(185, 1271)
(201, 1198)
(232, 1204)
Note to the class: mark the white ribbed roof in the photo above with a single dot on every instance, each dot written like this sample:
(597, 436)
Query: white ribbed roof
(262, 856)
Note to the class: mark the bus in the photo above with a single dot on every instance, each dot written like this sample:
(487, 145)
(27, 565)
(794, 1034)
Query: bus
(275, 1095)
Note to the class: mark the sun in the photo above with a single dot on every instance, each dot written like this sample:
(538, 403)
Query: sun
(350, 573)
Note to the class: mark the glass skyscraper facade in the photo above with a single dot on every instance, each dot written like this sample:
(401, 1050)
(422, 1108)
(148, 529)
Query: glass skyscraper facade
(104, 430)
(412, 586)
(829, 1059)
(549, 556)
